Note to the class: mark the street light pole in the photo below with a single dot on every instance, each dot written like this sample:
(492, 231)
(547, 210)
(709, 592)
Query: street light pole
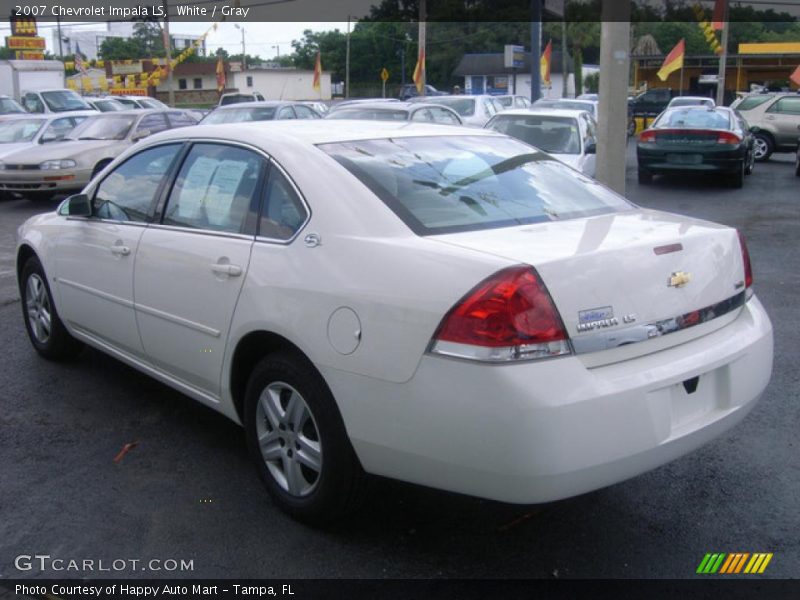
(536, 48)
(347, 61)
(168, 49)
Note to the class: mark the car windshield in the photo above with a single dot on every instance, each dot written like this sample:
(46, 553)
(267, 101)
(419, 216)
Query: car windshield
(9, 106)
(372, 114)
(108, 105)
(238, 115)
(128, 102)
(236, 99)
(566, 105)
(750, 102)
(63, 100)
(150, 103)
(110, 127)
(694, 118)
(450, 184)
(463, 106)
(19, 130)
(556, 135)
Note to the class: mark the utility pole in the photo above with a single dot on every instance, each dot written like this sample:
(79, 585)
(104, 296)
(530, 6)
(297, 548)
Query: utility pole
(60, 47)
(614, 74)
(564, 67)
(536, 49)
(723, 57)
(168, 49)
(423, 15)
(347, 61)
(244, 55)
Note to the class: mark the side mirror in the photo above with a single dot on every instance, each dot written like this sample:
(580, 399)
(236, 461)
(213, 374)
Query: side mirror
(48, 137)
(78, 205)
(141, 134)
(591, 147)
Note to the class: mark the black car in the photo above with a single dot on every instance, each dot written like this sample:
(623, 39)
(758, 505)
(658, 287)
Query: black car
(697, 139)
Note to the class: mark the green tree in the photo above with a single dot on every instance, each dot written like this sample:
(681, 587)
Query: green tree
(120, 49)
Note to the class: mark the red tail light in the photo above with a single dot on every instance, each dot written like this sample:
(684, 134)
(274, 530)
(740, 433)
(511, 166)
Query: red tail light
(726, 137)
(748, 269)
(647, 136)
(509, 316)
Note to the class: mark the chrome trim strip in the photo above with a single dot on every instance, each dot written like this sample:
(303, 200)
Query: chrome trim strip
(607, 339)
(94, 292)
(179, 320)
(211, 232)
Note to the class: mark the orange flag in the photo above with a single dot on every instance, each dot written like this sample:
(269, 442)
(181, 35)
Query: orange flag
(673, 62)
(795, 77)
(317, 82)
(220, 75)
(545, 62)
(419, 70)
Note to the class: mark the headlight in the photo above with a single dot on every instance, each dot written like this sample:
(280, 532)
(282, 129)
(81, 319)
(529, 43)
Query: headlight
(56, 164)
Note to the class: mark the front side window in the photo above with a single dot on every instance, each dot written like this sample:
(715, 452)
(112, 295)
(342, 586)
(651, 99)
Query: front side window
(127, 193)
(303, 112)
(463, 106)
(441, 115)
(215, 189)
(283, 213)
(448, 184)
(58, 128)
(152, 124)
(33, 103)
(286, 113)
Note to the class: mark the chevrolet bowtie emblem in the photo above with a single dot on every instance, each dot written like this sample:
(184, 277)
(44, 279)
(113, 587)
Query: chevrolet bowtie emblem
(679, 279)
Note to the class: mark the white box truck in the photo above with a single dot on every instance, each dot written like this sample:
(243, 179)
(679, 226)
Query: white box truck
(18, 76)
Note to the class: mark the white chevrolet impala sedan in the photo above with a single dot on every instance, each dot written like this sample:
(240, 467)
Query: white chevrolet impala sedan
(443, 306)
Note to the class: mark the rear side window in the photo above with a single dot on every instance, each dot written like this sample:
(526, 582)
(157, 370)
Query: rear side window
(180, 119)
(282, 213)
(215, 189)
(127, 193)
(447, 184)
(751, 102)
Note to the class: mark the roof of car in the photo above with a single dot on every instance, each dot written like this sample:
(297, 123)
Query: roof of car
(254, 104)
(557, 112)
(51, 116)
(390, 105)
(315, 131)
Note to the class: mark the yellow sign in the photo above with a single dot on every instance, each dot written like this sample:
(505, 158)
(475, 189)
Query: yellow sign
(126, 67)
(384, 75)
(23, 27)
(26, 55)
(770, 48)
(20, 42)
(131, 91)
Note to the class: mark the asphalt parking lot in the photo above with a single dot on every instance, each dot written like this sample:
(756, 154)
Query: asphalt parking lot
(188, 491)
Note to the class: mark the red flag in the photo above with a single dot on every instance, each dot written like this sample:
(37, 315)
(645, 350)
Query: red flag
(220, 75)
(719, 14)
(795, 77)
(673, 62)
(317, 82)
(545, 62)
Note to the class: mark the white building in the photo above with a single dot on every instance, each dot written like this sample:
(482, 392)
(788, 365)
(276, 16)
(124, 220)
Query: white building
(90, 40)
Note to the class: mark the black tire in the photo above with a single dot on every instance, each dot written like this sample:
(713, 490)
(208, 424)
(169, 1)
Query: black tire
(736, 179)
(339, 486)
(797, 164)
(57, 344)
(764, 146)
(99, 167)
(645, 177)
(38, 196)
(631, 127)
(751, 163)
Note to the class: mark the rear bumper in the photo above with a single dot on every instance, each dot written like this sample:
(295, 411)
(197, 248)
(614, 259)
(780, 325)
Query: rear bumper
(659, 159)
(547, 430)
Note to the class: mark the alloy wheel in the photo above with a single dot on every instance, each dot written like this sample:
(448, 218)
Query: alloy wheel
(288, 438)
(761, 148)
(37, 302)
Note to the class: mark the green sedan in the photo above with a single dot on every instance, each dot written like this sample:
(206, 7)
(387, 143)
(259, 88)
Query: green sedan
(697, 139)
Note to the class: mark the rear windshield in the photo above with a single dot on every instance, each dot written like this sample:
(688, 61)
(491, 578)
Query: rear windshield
(557, 135)
(9, 106)
(751, 102)
(450, 184)
(689, 102)
(463, 106)
(694, 118)
(239, 115)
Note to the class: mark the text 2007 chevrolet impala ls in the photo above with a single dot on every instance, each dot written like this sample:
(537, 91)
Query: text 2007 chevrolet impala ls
(443, 306)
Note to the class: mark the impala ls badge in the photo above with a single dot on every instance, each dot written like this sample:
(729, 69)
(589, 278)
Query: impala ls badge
(679, 279)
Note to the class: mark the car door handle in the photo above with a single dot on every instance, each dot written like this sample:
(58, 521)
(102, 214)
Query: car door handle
(120, 250)
(231, 270)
